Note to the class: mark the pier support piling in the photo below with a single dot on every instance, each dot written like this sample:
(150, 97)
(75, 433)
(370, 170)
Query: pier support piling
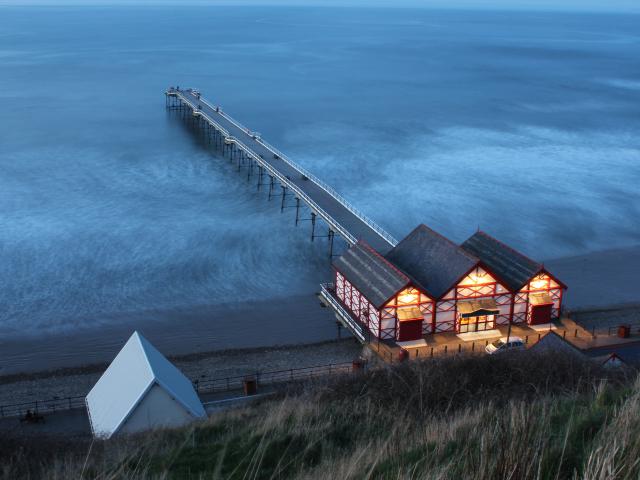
(284, 194)
(313, 225)
(270, 186)
(331, 235)
(260, 174)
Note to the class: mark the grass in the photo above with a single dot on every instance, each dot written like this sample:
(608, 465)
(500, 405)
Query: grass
(520, 416)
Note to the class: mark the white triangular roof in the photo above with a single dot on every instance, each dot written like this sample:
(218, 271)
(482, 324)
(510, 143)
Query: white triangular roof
(136, 368)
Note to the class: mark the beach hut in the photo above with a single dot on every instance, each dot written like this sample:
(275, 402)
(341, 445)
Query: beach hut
(141, 390)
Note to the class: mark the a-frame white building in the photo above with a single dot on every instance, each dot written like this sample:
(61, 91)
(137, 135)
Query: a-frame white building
(141, 390)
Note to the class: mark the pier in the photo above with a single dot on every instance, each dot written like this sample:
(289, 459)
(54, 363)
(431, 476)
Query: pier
(283, 178)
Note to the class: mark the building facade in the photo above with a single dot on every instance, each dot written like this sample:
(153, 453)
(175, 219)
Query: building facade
(427, 284)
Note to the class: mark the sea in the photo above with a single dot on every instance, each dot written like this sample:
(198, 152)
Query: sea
(523, 124)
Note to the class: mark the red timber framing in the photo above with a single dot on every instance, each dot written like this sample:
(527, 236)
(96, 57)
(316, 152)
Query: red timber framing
(384, 323)
(543, 283)
(477, 284)
(414, 305)
(357, 304)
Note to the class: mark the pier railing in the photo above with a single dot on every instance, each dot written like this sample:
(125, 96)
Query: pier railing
(272, 171)
(303, 171)
(347, 319)
(327, 188)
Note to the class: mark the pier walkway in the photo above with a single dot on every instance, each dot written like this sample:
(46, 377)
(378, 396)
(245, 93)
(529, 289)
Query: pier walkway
(252, 152)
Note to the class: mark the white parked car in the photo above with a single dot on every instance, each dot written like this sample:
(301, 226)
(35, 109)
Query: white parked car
(504, 344)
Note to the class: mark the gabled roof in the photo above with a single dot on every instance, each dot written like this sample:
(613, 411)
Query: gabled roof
(136, 368)
(512, 267)
(551, 342)
(370, 273)
(433, 261)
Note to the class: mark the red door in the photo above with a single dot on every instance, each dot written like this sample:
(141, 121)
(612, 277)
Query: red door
(410, 330)
(540, 314)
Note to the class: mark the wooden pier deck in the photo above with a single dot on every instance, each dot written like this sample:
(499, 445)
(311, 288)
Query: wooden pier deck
(250, 150)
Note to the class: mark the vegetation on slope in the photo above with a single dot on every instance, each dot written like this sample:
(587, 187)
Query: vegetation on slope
(519, 416)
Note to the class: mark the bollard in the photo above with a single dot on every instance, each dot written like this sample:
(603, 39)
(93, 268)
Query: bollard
(445, 349)
(403, 355)
(564, 335)
(431, 351)
(473, 346)
(357, 365)
(459, 347)
(624, 331)
(526, 339)
(250, 385)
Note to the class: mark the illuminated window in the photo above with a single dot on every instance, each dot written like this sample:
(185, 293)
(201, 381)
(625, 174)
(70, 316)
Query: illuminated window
(408, 296)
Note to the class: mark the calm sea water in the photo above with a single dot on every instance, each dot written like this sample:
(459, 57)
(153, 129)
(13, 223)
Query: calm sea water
(526, 125)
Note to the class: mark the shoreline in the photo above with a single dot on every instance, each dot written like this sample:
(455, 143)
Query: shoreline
(597, 281)
(258, 324)
(183, 358)
(77, 381)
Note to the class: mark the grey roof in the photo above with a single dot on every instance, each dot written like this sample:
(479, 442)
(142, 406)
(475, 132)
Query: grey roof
(513, 268)
(434, 262)
(370, 273)
(552, 342)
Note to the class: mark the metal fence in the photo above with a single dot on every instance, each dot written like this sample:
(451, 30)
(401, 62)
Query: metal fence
(206, 385)
(269, 378)
(41, 406)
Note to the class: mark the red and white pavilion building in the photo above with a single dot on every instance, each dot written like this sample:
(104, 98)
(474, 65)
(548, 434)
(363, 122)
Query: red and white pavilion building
(428, 284)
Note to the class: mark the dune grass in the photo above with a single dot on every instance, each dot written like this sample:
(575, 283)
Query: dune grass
(520, 416)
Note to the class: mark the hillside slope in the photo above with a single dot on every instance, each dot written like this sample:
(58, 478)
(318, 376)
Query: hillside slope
(519, 416)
